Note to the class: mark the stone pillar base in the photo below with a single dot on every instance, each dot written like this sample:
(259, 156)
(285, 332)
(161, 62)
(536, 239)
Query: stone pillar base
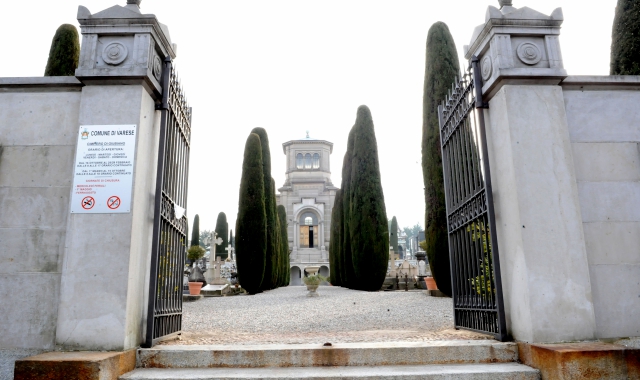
(584, 361)
(79, 365)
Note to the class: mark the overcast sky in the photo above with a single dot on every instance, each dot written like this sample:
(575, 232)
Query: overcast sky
(295, 65)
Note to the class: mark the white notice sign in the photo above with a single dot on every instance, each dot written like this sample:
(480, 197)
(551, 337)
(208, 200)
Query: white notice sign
(103, 172)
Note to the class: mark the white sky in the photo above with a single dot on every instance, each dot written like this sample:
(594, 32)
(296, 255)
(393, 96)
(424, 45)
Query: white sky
(295, 65)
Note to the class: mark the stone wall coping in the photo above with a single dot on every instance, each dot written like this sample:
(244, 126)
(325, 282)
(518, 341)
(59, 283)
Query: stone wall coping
(65, 82)
(601, 82)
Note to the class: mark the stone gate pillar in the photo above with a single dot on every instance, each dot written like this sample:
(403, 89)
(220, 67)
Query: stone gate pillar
(545, 274)
(105, 272)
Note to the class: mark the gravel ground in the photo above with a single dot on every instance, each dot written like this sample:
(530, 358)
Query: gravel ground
(337, 315)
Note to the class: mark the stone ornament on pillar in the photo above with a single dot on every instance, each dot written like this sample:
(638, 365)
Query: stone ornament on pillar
(515, 45)
(114, 53)
(120, 45)
(529, 53)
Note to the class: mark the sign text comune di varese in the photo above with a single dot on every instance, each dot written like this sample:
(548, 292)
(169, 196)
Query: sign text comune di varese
(103, 171)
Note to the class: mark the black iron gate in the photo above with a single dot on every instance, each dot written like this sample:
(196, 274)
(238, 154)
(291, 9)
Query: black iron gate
(164, 316)
(473, 244)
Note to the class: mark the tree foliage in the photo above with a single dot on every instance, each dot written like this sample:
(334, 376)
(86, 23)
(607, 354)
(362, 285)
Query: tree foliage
(368, 228)
(393, 235)
(222, 229)
(269, 206)
(251, 223)
(347, 275)
(625, 39)
(442, 69)
(335, 256)
(64, 53)
(284, 246)
(195, 232)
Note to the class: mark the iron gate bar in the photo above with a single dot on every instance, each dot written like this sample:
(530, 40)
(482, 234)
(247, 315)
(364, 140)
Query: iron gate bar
(473, 243)
(164, 312)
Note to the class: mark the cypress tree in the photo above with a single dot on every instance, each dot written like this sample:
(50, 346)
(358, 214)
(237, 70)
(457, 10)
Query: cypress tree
(195, 233)
(284, 245)
(221, 229)
(251, 223)
(335, 258)
(64, 53)
(442, 69)
(347, 274)
(625, 39)
(368, 222)
(393, 235)
(232, 241)
(269, 205)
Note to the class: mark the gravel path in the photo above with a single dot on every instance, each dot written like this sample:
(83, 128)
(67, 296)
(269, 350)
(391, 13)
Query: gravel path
(287, 315)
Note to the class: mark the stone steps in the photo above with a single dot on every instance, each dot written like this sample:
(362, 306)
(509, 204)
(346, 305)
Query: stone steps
(499, 371)
(472, 359)
(339, 354)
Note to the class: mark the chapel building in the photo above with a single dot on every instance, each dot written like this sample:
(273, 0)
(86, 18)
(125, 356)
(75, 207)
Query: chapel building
(308, 195)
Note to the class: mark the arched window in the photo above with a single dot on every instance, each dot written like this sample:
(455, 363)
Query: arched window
(299, 164)
(316, 161)
(308, 221)
(307, 161)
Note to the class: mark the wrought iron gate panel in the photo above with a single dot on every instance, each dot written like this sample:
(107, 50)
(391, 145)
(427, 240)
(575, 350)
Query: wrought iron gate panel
(168, 254)
(473, 244)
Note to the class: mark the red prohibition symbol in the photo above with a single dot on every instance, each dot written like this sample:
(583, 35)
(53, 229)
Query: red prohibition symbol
(88, 203)
(113, 202)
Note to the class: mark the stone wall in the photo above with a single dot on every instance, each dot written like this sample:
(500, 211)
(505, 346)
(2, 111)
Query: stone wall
(38, 127)
(604, 127)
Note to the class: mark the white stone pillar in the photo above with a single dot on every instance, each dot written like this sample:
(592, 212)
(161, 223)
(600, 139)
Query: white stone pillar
(323, 250)
(545, 274)
(105, 274)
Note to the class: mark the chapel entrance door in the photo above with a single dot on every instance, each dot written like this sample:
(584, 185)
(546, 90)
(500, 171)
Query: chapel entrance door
(306, 237)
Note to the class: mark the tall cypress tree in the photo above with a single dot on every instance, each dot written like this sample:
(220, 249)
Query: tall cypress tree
(232, 241)
(442, 69)
(368, 226)
(284, 245)
(393, 235)
(251, 223)
(269, 205)
(195, 233)
(347, 274)
(335, 259)
(625, 39)
(64, 53)
(222, 228)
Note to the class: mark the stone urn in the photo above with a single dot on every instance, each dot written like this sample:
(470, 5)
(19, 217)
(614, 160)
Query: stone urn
(312, 290)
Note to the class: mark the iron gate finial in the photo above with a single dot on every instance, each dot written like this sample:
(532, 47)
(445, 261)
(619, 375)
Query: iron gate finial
(505, 3)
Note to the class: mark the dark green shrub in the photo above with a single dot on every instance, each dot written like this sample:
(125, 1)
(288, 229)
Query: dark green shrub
(64, 53)
(368, 222)
(195, 233)
(222, 228)
(442, 69)
(251, 223)
(335, 259)
(625, 39)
